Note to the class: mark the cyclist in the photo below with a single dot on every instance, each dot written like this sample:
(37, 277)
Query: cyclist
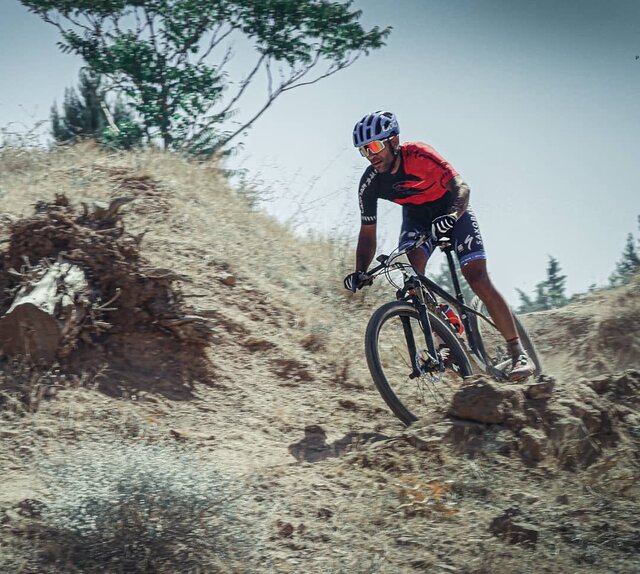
(434, 199)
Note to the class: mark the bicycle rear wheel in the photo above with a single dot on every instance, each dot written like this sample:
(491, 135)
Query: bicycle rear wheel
(395, 345)
(493, 347)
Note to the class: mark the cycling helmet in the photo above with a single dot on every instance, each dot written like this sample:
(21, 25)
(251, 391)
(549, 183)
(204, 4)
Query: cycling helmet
(376, 126)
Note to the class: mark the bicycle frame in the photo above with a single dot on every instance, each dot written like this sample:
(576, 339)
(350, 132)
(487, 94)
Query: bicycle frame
(416, 295)
(464, 312)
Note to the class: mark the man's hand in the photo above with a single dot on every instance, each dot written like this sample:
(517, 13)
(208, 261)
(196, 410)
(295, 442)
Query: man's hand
(357, 280)
(441, 226)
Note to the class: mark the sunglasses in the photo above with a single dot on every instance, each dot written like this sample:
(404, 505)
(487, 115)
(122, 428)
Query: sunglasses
(372, 147)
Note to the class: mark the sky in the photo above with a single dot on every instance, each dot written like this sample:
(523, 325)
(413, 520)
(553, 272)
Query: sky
(535, 104)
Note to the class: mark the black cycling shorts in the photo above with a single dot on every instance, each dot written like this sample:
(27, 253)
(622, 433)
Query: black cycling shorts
(467, 241)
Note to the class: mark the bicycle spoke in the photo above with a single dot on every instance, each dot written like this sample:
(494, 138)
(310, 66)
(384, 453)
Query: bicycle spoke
(430, 389)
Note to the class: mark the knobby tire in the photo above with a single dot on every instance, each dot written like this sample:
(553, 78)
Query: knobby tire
(391, 376)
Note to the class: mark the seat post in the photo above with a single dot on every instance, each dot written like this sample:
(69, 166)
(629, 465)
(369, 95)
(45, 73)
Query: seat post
(448, 250)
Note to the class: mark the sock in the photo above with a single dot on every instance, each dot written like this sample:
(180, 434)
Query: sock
(515, 347)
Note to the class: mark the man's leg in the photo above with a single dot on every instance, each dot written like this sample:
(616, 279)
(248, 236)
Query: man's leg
(418, 259)
(469, 247)
(408, 233)
(475, 272)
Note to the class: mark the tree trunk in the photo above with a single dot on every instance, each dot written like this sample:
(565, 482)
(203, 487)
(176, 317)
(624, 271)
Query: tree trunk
(46, 314)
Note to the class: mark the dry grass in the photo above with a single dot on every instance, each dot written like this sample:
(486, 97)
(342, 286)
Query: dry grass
(287, 354)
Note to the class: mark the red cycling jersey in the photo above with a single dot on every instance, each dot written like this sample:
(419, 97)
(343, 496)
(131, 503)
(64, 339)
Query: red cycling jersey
(420, 184)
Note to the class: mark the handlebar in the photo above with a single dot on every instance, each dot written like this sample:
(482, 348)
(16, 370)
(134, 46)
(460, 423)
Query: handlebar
(389, 261)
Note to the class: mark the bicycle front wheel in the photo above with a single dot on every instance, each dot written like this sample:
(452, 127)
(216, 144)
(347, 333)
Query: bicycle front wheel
(396, 353)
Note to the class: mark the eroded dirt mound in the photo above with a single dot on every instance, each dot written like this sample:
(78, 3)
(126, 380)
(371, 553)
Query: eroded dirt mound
(574, 425)
(75, 290)
(596, 334)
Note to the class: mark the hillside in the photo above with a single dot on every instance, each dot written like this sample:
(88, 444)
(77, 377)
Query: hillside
(295, 461)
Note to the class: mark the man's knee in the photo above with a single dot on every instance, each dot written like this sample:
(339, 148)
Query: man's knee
(476, 273)
(478, 278)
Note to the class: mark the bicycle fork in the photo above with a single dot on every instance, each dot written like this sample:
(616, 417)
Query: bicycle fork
(418, 359)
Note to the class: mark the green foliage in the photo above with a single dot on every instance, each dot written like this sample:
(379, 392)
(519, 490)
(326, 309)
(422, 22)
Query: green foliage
(555, 285)
(132, 507)
(628, 264)
(84, 116)
(549, 293)
(159, 54)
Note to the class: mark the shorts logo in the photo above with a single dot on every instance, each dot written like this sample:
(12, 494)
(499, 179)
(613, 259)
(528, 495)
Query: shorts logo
(460, 248)
(468, 241)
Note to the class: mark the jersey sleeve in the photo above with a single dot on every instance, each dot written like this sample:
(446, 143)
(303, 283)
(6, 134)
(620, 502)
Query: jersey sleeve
(425, 159)
(368, 197)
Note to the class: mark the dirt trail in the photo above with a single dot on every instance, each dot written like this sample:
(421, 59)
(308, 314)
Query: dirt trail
(286, 406)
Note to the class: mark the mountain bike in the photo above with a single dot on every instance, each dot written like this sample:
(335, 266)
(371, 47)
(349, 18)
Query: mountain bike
(420, 346)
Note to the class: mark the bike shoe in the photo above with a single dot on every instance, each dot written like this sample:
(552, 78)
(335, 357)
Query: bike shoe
(522, 368)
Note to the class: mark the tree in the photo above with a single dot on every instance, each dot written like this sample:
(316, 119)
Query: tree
(87, 115)
(81, 115)
(555, 285)
(629, 263)
(549, 293)
(158, 54)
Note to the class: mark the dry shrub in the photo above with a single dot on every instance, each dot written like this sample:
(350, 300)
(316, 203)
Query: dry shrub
(126, 507)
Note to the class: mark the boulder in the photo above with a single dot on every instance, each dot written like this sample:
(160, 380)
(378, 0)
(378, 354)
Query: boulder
(510, 528)
(487, 402)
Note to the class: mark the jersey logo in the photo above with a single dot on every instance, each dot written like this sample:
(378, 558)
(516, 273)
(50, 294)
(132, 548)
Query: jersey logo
(411, 187)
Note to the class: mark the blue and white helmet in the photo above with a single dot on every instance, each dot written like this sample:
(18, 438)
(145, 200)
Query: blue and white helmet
(376, 126)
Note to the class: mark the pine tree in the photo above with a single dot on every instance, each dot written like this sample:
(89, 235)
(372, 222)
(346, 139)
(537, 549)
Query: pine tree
(629, 263)
(555, 285)
(527, 305)
(84, 116)
(549, 293)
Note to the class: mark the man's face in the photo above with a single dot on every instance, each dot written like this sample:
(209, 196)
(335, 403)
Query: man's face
(383, 160)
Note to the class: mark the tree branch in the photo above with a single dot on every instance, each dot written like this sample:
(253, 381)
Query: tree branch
(332, 70)
(215, 41)
(244, 85)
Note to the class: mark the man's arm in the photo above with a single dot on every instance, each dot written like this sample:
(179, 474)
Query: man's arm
(366, 248)
(460, 196)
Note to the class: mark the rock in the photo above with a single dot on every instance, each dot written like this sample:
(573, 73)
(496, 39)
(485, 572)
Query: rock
(532, 444)
(429, 437)
(285, 529)
(228, 280)
(313, 447)
(508, 528)
(626, 384)
(541, 389)
(524, 497)
(31, 507)
(486, 402)
(590, 415)
(500, 440)
(572, 443)
(184, 434)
